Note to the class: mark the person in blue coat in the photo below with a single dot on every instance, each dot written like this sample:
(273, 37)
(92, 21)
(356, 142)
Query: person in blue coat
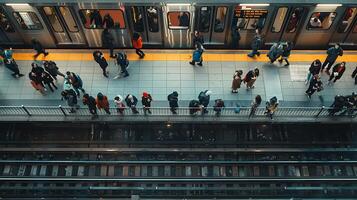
(256, 44)
(332, 54)
(197, 55)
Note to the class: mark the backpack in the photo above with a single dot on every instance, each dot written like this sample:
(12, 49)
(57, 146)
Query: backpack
(122, 59)
(202, 95)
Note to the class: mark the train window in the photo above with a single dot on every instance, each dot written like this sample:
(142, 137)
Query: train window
(103, 18)
(53, 18)
(347, 20)
(205, 16)
(68, 18)
(178, 20)
(28, 20)
(137, 19)
(249, 19)
(279, 20)
(153, 19)
(294, 20)
(220, 19)
(5, 24)
(321, 20)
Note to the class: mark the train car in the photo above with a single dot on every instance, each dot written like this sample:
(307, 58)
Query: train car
(164, 24)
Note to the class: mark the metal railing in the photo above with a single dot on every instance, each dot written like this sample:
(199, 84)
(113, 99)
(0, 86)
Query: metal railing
(242, 112)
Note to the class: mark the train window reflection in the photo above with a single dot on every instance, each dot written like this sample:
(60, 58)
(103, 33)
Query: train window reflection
(220, 19)
(347, 20)
(178, 20)
(103, 18)
(137, 19)
(68, 18)
(53, 18)
(5, 24)
(249, 19)
(153, 19)
(294, 20)
(205, 16)
(28, 20)
(279, 20)
(321, 20)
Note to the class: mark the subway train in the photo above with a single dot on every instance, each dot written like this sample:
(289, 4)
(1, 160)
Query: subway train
(172, 25)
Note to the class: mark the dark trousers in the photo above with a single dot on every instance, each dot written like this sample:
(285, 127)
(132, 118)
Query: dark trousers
(355, 80)
(254, 52)
(105, 72)
(134, 110)
(93, 110)
(111, 50)
(139, 52)
(39, 52)
(107, 110)
(49, 86)
(329, 64)
(286, 60)
(173, 110)
(333, 77)
(310, 91)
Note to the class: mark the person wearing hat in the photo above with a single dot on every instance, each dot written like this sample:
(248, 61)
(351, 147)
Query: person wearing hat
(118, 100)
(204, 98)
(146, 100)
(173, 101)
(131, 102)
(102, 102)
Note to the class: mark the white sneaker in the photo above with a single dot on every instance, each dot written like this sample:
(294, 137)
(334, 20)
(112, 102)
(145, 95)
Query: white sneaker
(116, 77)
(306, 82)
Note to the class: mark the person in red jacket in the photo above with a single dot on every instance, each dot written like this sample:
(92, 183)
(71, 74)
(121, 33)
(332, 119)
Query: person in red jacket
(102, 102)
(138, 44)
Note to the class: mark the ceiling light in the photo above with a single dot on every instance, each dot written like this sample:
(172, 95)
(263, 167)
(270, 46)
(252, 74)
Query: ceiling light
(17, 4)
(178, 4)
(255, 4)
(329, 5)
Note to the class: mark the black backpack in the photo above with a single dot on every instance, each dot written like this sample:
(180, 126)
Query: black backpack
(122, 59)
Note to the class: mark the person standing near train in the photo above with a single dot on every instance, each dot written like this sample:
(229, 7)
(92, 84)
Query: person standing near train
(354, 75)
(108, 41)
(100, 59)
(332, 54)
(37, 46)
(286, 53)
(138, 44)
(256, 44)
(197, 39)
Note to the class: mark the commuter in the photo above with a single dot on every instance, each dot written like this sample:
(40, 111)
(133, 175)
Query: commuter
(173, 101)
(123, 62)
(237, 81)
(251, 77)
(7, 53)
(36, 82)
(108, 21)
(76, 82)
(197, 39)
(351, 104)
(71, 98)
(315, 85)
(354, 75)
(337, 72)
(108, 41)
(153, 20)
(131, 102)
(275, 52)
(138, 44)
(197, 55)
(337, 105)
(314, 69)
(91, 103)
(286, 53)
(37, 46)
(204, 98)
(218, 105)
(96, 20)
(100, 59)
(315, 22)
(255, 104)
(194, 107)
(332, 54)
(37, 69)
(51, 68)
(146, 100)
(102, 103)
(66, 84)
(12, 66)
(271, 107)
(184, 19)
(118, 100)
(235, 37)
(256, 44)
(48, 80)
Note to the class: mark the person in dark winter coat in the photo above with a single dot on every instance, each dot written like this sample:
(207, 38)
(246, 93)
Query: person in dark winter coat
(123, 62)
(218, 105)
(108, 41)
(12, 65)
(37, 46)
(197, 39)
(76, 81)
(194, 107)
(337, 105)
(36, 82)
(146, 100)
(71, 98)
(237, 81)
(197, 55)
(286, 53)
(96, 20)
(48, 80)
(37, 69)
(271, 107)
(256, 44)
(173, 101)
(315, 85)
(275, 52)
(314, 69)
(235, 37)
(332, 54)
(91, 103)
(204, 98)
(131, 102)
(251, 77)
(354, 75)
(108, 21)
(337, 72)
(100, 59)
(52, 69)
(102, 102)
(255, 104)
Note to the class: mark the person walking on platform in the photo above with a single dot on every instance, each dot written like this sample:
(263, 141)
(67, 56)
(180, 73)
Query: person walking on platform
(108, 41)
(102, 103)
(251, 77)
(287, 47)
(91, 103)
(197, 55)
(100, 59)
(332, 54)
(123, 62)
(146, 100)
(218, 106)
(48, 80)
(138, 44)
(256, 44)
(12, 66)
(36, 82)
(354, 75)
(173, 101)
(37, 46)
(337, 72)
(275, 52)
(271, 107)
(255, 104)
(194, 107)
(204, 98)
(131, 102)
(76, 82)
(71, 98)
(197, 39)
(51, 68)
(315, 85)
(237, 81)
(118, 100)
(314, 69)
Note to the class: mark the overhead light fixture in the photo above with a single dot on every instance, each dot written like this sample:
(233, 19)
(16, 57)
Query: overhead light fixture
(178, 4)
(328, 5)
(17, 4)
(254, 4)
